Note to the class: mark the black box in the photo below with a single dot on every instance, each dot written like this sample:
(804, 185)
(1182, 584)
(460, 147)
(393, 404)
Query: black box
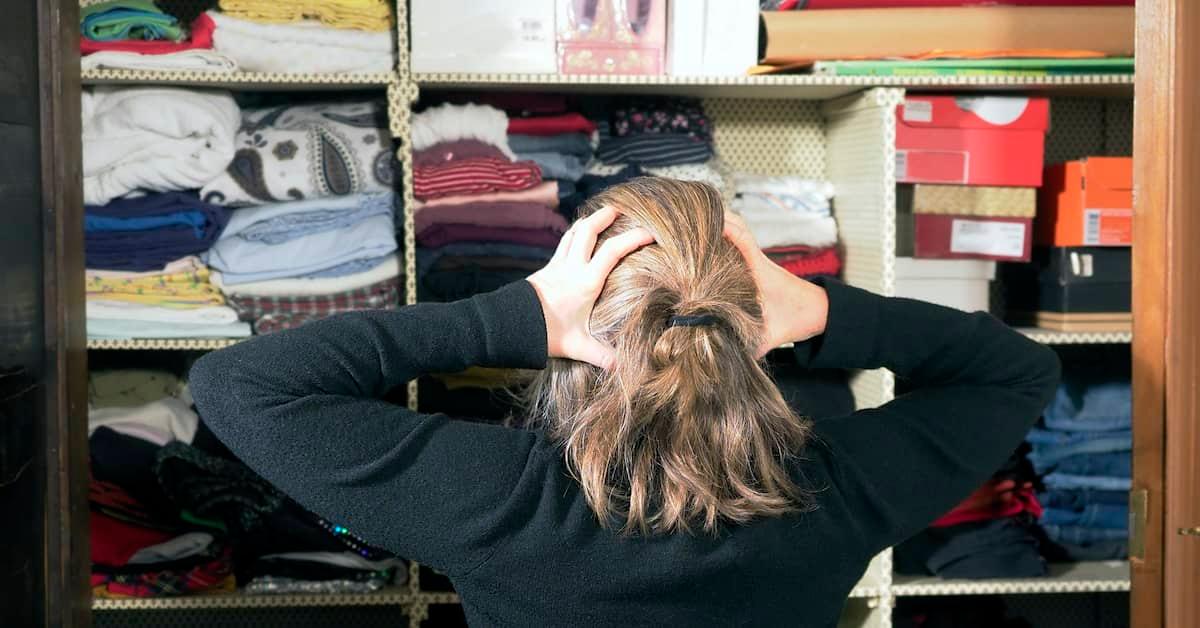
(1070, 279)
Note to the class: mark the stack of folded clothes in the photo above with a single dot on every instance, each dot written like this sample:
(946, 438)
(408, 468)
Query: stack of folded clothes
(1083, 449)
(314, 36)
(145, 150)
(991, 534)
(543, 129)
(141, 545)
(314, 232)
(792, 220)
(176, 301)
(484, 218)
(281, 548)
(667, 136)
(137, 35)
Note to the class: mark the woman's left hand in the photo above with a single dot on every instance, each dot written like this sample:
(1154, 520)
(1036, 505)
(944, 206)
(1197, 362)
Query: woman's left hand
(570, 283)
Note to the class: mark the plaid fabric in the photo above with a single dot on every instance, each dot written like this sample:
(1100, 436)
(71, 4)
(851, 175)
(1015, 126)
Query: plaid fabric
(273, 313)
(213, 574)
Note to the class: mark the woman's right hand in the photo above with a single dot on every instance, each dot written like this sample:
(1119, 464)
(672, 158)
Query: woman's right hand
(794, 310)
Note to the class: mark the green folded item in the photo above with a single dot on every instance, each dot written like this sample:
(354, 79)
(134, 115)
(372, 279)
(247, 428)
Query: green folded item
(128, 19)
(976, 67)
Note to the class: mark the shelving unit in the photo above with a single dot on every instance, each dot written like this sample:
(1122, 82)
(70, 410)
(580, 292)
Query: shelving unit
(1092, 577)
(840, 128)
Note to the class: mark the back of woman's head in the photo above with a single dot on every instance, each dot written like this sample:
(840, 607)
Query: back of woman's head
(686, 430)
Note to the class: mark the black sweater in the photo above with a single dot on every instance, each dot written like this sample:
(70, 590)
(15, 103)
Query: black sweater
(496, 510)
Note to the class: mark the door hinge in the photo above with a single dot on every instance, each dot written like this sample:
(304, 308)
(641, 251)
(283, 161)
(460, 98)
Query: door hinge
(1138, 508)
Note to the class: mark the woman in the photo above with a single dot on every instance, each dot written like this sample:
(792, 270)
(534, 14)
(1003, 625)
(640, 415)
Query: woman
(665, 481)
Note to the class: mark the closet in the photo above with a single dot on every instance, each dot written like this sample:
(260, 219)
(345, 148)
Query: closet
(841, 129)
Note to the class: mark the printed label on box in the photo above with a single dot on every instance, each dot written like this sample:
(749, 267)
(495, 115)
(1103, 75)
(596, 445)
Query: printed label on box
(1107, 227)
(917, 111)
(532, 29)
(988, 237)
(901, 164)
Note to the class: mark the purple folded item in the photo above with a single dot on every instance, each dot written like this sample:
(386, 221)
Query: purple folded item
(442, 234)
(513, 214)
(142, 249)
(442, 152)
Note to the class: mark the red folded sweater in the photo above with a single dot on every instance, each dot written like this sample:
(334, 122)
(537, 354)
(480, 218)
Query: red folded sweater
(551, 125)
(805, 261)
(200, 35)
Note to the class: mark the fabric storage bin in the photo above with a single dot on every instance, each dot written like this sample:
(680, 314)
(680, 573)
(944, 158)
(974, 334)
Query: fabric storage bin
(464, 36)
(1088, 202)
(611, 36)
(961, 284)
(971, 140)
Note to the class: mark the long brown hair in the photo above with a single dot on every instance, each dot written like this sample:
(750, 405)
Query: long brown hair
(686, 429)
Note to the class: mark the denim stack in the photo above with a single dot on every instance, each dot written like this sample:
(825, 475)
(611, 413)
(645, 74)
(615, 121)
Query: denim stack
(1082, 451)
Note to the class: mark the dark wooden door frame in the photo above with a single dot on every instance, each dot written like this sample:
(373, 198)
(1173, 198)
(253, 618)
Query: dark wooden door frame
(1166, 347)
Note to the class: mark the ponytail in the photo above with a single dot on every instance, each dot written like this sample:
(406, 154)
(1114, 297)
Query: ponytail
(686, 431)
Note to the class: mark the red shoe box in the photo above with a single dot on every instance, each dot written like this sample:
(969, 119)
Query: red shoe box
(971, 140)
(940, 236)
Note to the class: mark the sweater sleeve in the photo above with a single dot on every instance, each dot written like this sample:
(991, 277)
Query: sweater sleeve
(303, 409)
(977, 388)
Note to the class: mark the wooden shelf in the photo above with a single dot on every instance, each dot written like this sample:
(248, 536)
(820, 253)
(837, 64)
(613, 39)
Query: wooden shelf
(257, 81)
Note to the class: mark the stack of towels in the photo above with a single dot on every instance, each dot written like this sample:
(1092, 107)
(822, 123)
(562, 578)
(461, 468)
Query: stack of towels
(484, 218)
(1082, 448)
(307, 36)
(145, 151)
(314, 37)
(792, 220)
(137, 35)
(314, 232)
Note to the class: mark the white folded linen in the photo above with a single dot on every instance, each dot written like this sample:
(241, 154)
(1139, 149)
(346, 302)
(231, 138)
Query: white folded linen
(154, 138)
(160, 421)
(183, 61)
(307, 47)
(125, 310)
(773, 226)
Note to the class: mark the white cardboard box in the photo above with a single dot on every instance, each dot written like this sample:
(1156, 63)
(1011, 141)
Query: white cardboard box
(461, 36)
(961, 284)
(711, 37)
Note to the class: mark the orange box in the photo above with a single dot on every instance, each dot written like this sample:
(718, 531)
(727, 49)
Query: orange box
(1086, 203)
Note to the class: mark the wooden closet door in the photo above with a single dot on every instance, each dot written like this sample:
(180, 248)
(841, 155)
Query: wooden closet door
(1166, 310)
(44, 560)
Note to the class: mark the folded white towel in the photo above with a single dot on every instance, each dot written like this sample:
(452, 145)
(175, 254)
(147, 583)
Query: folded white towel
(154, 138)
(184, 61)
(303, 48)
(773, 226)
(159, 421)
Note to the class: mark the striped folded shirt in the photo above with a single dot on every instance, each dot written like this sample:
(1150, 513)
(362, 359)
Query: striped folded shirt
(474, 176)
(654, 149)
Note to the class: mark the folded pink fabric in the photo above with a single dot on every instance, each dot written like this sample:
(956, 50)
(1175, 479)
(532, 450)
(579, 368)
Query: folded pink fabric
(491, 214)
(545, 193)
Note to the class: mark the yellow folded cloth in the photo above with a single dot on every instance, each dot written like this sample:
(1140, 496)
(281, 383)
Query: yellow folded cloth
(367, 15)
(182, 284)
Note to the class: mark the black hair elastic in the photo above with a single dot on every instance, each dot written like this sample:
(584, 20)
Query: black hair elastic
(699, 320)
